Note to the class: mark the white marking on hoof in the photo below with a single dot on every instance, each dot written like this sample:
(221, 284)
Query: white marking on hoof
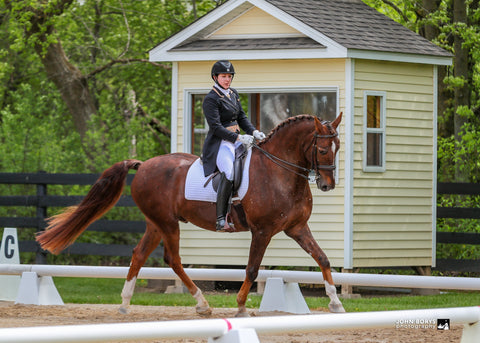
(336, 308)
(203, 311)
(127, 294)
(335, 305)
(201, 301)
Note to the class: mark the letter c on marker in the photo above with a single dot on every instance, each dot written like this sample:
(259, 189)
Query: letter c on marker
(9, 252)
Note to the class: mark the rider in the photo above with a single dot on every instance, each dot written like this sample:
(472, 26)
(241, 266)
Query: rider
(225, 117)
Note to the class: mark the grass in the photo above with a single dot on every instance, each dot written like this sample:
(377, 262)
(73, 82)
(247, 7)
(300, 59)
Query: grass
(107, 291)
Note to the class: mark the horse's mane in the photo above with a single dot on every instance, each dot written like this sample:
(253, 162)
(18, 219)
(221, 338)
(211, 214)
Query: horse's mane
(287, 122)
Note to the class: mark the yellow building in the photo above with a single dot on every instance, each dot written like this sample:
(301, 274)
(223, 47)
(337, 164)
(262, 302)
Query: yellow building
(323, 57)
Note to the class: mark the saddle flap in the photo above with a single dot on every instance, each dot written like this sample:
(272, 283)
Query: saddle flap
(240, 156)
(204, 188)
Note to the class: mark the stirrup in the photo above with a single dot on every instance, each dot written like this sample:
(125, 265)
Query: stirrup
(224, 224)
(220, 226)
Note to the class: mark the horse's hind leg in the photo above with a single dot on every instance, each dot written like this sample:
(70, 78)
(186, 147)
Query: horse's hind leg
(172, 258)
(144, 248)
(303, 236)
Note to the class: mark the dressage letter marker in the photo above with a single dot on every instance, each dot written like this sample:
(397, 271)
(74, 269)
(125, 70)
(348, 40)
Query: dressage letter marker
(9, 254)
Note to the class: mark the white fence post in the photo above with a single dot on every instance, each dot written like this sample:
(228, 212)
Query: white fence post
(236, 336)
(34, 290)
(284, 297)
(471, 333)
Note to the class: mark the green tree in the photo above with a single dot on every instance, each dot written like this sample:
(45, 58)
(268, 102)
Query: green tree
(453, 25)
(86, 64)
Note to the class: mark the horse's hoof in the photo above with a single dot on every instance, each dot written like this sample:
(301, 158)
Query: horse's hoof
(336, 308)
(123, 310)
(242, 315)
(203, 311)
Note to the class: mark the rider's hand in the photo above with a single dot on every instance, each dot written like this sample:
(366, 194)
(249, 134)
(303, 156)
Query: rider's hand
(259, 135)
(246, 140)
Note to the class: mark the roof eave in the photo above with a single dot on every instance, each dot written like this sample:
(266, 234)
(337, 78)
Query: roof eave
(210, 55)
(400, 57)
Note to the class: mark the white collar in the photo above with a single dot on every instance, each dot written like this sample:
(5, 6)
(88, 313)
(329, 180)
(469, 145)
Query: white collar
(226, 92)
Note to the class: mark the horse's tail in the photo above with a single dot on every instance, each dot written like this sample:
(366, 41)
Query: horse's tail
(64, 228)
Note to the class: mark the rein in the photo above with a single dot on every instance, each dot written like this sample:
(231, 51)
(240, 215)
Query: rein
(315, 166)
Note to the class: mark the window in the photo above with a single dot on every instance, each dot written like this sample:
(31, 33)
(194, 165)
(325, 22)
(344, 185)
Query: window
(199, 124)
(374, 131)
(266, 110)
(276, 107)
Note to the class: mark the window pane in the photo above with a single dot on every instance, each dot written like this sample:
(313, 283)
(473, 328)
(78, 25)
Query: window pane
(374, 149)
(276, 107)
(373, 111)
(267, 110)
(200, 126)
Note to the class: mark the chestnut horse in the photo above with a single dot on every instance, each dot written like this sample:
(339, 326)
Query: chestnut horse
(278, 199)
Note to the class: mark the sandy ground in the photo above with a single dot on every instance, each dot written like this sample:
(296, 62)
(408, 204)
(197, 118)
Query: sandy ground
(12, 315)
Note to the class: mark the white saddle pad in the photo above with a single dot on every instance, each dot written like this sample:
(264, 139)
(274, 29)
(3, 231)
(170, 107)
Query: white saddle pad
(195, 181)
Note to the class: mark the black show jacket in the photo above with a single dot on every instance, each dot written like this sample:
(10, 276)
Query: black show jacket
(221, 112)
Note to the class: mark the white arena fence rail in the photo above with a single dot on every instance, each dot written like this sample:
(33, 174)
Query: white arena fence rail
(376, 280)
(220, 330)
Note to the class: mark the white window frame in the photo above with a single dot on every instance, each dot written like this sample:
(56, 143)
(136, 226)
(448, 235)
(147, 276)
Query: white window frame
(381, 130)
(187, 115)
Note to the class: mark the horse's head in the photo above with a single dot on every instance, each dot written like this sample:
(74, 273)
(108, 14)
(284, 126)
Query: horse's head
(322, 151)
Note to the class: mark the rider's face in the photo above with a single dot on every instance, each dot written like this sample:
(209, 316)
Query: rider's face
(224, 80)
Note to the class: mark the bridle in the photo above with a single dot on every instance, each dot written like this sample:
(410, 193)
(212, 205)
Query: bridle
(315, 165)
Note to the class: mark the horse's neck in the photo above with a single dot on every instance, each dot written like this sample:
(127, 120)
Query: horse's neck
(288, 145)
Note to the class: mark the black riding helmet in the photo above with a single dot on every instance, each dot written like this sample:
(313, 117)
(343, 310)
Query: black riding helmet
(222, 67)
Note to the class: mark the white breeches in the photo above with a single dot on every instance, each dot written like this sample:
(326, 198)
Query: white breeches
(225, 158)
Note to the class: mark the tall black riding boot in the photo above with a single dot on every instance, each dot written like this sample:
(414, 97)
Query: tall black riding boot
(223, 196)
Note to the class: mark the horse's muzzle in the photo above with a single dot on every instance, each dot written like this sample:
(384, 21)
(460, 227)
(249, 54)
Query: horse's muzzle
(325, 186)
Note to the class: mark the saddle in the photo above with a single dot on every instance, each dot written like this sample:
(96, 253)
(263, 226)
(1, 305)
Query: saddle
(238, 165)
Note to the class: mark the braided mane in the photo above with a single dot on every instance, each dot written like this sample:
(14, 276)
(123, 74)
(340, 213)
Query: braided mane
(285, 123)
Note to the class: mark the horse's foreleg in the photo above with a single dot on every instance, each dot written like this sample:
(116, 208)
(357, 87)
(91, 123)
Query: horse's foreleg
(303, 236)
(172, 258)
(257, 250)
(147, 244)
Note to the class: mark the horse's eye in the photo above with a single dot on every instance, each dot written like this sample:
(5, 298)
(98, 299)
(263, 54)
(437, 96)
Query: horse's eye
(323, 151)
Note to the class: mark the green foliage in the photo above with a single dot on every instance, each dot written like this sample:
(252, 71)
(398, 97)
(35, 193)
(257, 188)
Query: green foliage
(108, 41)
(27, 143)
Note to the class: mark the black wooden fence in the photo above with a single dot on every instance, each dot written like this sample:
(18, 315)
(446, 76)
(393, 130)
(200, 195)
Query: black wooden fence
(42, 200)
(458, 237)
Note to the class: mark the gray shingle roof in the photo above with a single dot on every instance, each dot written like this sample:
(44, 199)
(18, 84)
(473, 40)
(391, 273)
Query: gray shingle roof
(350, 23)
(356, 25)
(250, 44)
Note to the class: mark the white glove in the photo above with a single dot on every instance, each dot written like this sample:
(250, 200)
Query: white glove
(246, 140)
(259, 135)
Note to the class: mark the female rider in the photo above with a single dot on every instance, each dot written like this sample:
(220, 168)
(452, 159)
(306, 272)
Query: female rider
(225, 118)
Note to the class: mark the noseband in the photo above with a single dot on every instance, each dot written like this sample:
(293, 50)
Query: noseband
(315, 165)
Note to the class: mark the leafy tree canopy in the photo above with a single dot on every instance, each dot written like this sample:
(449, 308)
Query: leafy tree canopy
(77, 92)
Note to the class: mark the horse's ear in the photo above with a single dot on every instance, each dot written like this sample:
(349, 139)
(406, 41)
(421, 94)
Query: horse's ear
(337, 121)
(319, 127)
